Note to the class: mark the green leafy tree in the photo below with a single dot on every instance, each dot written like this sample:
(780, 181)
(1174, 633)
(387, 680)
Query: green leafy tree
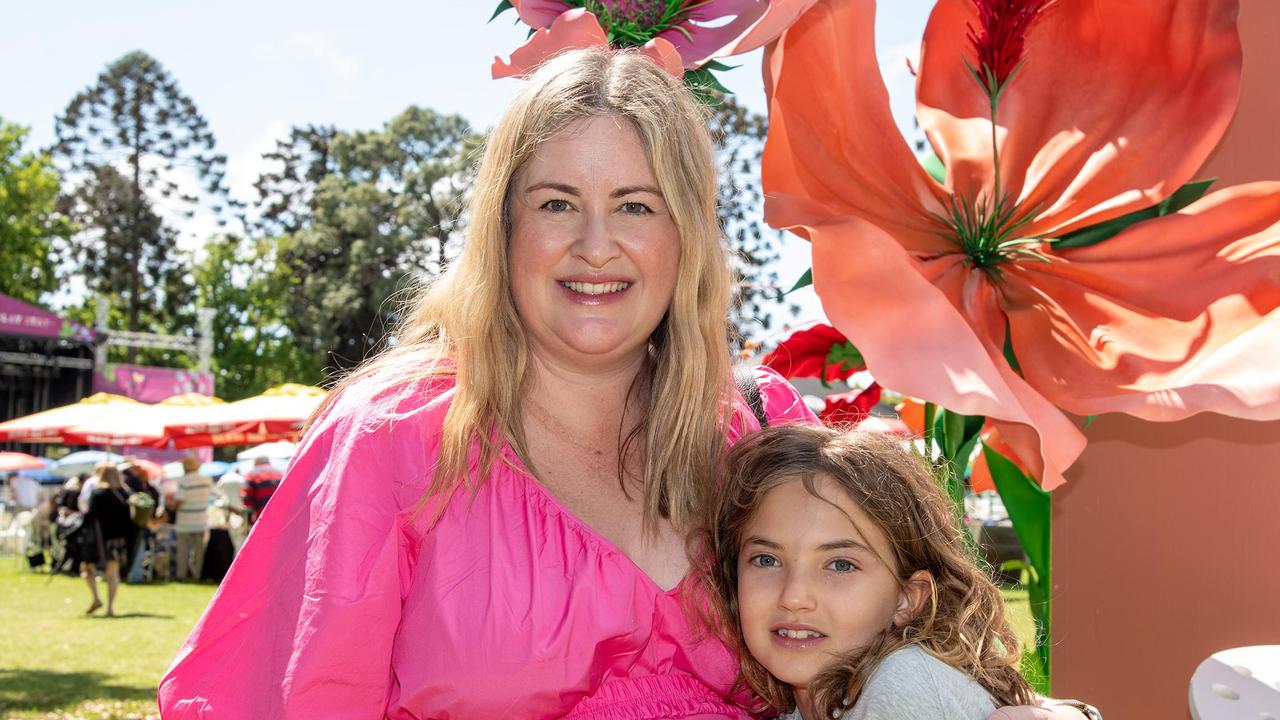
(739, 139)
(253, 348)
(135, 133)
(359, 214)
(126, 253)
(29, 220)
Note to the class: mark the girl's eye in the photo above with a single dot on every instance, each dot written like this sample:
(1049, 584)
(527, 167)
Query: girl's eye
(556, 206)
(841, 565)
(764, 561)
(636, 208)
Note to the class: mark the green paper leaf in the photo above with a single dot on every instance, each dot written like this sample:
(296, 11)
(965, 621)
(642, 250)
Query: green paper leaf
(1028, 505)
(1095, 234)
(805, 281)
(1009, 355)
(954, 432)
(845, 357)
(956, 436)
(705, 86)
(719, 66)
(503, 6)
(933, 165)
(1030, 509)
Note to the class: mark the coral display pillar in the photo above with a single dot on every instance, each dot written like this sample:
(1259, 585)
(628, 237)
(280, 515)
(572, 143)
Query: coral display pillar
(1166, 539)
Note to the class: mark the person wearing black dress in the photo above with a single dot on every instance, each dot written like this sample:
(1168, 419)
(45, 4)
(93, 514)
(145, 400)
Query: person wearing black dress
(135, 481)
(109, 526)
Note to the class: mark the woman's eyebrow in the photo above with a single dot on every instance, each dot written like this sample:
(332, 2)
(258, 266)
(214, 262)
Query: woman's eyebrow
(567, 189)
(757, 540)
(628, 189)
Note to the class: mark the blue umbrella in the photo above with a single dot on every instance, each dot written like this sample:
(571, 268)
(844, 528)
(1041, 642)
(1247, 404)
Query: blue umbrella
(83, 462)
(214, 469)
(43, 475)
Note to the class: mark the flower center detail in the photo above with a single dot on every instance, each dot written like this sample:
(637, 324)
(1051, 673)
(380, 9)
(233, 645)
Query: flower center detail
(635, 22)
(641, 12)
(989, 233)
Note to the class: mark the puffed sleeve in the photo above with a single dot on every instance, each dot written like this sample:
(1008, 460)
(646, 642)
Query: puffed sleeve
(303, 624)
(782, 403)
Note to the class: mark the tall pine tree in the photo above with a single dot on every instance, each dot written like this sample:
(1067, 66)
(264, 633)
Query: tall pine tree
(131, 140)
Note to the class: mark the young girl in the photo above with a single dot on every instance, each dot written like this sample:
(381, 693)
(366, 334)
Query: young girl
(840, 574)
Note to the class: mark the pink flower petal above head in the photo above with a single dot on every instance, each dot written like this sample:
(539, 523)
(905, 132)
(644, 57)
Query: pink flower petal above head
(1114, 107)
(780, 16)
(540, 13)
(570, 31)
(719, 28)
(1174, 316)
(665, 55)
(871, 289)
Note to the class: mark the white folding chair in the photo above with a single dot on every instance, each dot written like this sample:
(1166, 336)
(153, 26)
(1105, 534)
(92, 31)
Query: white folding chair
(17, 533)
(1241, 682)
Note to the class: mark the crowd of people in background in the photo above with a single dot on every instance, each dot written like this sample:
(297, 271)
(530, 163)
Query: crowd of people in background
(122, 525)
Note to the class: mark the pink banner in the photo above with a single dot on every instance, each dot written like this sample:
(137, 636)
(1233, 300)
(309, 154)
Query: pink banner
(19, 318)
(150, 384)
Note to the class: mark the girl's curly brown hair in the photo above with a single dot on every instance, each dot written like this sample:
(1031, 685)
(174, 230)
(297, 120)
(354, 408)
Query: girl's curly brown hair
(964, 622)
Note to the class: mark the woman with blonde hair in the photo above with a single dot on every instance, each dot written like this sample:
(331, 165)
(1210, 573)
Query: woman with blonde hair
(488, 519)
(108, 524)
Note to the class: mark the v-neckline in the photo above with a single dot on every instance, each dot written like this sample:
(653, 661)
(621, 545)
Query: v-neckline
(583, 526)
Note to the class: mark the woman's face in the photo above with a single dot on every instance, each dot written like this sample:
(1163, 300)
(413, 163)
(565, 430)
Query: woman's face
(594, 250)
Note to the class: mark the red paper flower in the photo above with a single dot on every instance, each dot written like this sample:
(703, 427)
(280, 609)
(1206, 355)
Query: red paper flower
(823, 352)
(1114, 107)
(817, 352)
(850, 408)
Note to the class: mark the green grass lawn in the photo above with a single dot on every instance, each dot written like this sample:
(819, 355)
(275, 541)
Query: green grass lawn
(1018, 608)
(56, 662)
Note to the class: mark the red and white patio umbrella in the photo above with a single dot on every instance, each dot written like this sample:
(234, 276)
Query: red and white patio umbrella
(15, 461)
(142, 425)
(50, 425)
(277, 414)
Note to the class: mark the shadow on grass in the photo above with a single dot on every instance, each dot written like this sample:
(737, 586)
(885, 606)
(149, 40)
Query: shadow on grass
(49, 690)
(126, 616)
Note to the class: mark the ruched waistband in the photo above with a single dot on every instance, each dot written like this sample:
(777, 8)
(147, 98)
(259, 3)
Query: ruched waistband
(655, 697)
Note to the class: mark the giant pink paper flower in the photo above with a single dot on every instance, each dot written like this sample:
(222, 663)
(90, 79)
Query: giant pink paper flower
(679, 34)
(1105, 109)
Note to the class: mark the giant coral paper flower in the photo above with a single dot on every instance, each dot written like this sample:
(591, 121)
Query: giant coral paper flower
(679, 34)
(1113, 107)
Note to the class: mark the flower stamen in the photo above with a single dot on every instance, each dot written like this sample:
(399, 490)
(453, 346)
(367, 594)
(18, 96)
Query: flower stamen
(1000, 39)
(988, 233)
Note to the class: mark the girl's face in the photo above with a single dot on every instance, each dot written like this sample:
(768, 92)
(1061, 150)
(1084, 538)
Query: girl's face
(811, 584)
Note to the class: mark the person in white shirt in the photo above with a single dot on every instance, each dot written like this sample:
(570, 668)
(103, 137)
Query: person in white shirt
(227, 497)
(192, 521)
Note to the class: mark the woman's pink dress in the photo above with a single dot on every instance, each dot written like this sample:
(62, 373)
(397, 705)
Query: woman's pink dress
(343, 605)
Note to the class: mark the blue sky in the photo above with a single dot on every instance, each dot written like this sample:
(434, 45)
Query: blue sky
(254, 69)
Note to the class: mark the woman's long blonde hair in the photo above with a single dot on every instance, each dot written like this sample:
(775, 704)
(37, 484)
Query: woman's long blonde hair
(465, 324)
(964, 624)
